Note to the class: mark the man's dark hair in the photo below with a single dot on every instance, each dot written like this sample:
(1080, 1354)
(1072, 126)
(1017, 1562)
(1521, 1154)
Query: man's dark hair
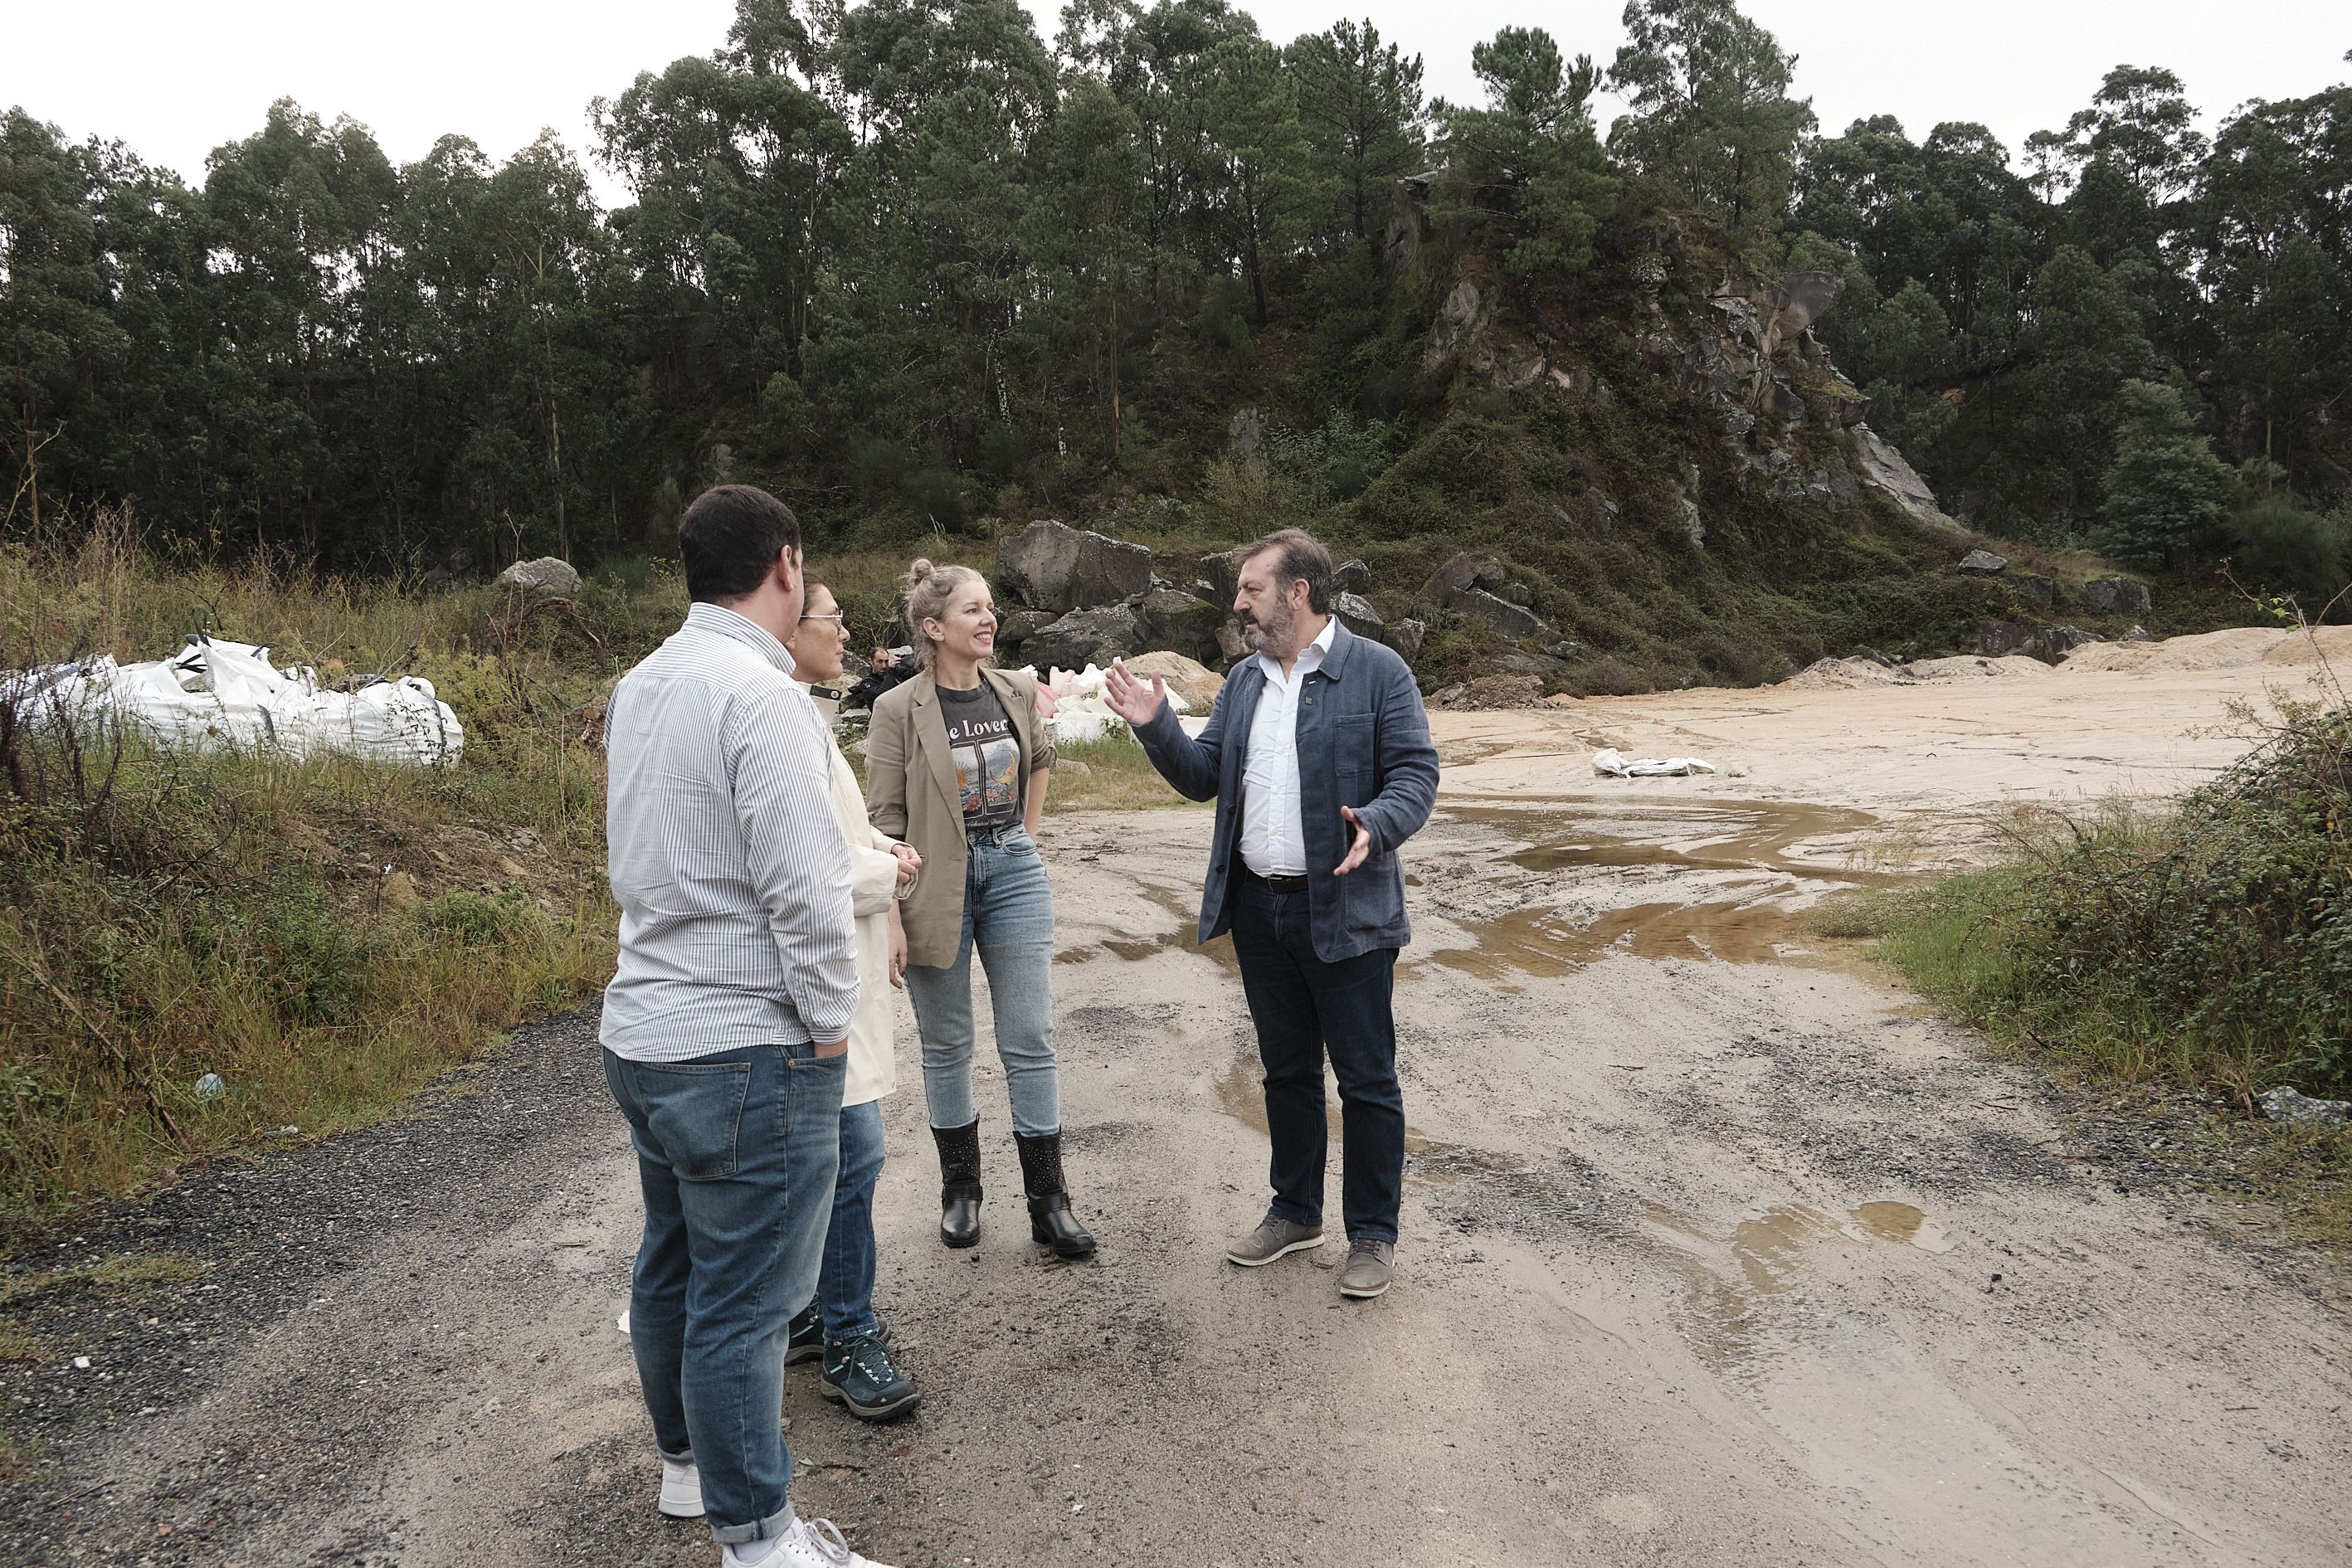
(1301, 560)
(731, 538)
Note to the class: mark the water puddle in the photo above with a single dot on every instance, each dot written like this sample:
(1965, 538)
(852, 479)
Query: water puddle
(1745, 1315)
(1744, 888)
(1173, 928)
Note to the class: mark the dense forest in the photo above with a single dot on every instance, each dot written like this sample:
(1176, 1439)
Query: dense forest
(919, 267)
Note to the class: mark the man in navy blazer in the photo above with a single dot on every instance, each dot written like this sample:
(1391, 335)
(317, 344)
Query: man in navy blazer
(1317, 755)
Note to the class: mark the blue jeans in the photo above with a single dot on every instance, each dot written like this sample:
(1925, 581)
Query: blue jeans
(845, 1285)
(1008, 915)
(1304, 1007)
(736, 1155)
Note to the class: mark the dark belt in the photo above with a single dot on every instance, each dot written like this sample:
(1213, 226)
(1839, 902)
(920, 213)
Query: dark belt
(1277, 884)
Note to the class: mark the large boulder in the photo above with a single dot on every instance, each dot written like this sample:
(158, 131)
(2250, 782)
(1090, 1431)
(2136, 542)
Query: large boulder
(1195, 683)
(1466, 584)
(2116, 597)
(1050, 566)
(1356, 613)
(1221, 577)
(1885, 470)
(1021, 625)
(1082, 637)
(1180, 621)
(1351, 577)
(1512, 620)
(1984, 563)
(1406, 637)
(546, 577)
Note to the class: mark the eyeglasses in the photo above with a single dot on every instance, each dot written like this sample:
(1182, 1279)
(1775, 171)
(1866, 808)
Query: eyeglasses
(835, 617)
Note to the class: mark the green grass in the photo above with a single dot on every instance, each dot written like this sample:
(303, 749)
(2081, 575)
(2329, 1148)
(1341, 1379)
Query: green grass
(2207, 946)
(1118, 777)
(326, 936)
(130, 1274)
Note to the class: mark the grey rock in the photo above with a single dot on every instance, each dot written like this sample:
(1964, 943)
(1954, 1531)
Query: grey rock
(2041, 591)
(1051, 566)
(1082, 637)
(2138, 633)
(1021, 625)
(1519, 593)
(1984, 562)
(1406, 637)
(1356, 613)
(546, 576)
(1182, 622)
(1885, 470)
(1071, 768)
(1511, 620)
(1246, 431)
(1693, 525)
(1457, 574)
(1221, 577)
(1458, 323)
(1351, 577)
(2296, 1108)
(1230, 643)
(2116, 597)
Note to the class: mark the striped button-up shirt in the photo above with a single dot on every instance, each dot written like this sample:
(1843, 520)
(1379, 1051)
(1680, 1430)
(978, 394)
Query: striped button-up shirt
(728, 866)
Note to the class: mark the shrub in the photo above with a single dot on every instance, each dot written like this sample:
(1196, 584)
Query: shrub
(2278, 546)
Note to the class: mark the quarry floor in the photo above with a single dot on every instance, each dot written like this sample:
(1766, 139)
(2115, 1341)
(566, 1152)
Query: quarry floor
(1717, 1249)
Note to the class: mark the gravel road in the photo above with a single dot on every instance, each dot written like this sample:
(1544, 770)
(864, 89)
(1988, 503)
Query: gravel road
(1716, 1251)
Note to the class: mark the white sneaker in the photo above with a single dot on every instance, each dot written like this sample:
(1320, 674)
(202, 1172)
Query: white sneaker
(809, 1543)
(681, 1493)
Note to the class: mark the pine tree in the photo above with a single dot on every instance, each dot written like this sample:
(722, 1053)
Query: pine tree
(2165, 491)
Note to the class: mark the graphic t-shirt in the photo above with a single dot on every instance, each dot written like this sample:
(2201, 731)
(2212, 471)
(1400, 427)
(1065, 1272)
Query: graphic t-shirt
(987, 756)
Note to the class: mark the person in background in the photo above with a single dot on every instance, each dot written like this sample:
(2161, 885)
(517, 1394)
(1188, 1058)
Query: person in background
(838, 1327)
(1318, 754)
(725, 1027)
(957, 764)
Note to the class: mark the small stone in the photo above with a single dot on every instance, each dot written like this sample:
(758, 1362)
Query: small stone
(1984, 562)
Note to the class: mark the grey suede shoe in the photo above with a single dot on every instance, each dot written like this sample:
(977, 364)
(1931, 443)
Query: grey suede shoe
(1371, 1265)
(1274, 1237)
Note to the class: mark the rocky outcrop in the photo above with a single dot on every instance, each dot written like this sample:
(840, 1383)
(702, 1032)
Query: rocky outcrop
(1088, 636)
(547, 577)
(1465, 585)
(1050, 566)
(1881, 467)
(1182, 622)
(2116, 597)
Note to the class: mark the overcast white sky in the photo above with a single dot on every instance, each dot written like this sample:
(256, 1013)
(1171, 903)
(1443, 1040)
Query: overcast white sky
(175, 80)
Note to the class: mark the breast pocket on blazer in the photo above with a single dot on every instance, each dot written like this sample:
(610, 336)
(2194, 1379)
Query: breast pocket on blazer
(1355, 756)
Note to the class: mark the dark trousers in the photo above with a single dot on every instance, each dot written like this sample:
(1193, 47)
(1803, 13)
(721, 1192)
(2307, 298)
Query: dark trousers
(1303, 1009)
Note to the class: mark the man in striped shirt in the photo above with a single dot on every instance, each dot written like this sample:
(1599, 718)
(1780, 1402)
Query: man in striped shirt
(725, 1028)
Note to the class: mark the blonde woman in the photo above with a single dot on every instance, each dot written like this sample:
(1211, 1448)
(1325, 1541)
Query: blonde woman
(957, 763)
(839, 1326)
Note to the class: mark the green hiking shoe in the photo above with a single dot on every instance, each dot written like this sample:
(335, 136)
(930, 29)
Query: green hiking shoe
(859, 1373)
(807, 1341)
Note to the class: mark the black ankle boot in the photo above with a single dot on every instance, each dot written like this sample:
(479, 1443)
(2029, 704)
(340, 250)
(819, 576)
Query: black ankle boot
(1050, 1220)
(959, 1183)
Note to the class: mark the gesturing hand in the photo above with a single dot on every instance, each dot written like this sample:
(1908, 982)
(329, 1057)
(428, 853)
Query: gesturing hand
(1357, 850)
(1131, 699)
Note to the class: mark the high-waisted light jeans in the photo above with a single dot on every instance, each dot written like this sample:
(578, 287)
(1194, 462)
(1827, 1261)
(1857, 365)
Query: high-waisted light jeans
(1008, 916)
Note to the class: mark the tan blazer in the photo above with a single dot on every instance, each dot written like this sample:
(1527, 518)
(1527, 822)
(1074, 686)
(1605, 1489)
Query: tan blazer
(911, 795)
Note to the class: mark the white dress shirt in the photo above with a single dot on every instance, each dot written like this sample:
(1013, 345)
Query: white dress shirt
(1273, 840)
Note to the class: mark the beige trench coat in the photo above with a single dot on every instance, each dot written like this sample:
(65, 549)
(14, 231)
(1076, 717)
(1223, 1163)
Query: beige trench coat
(872, 1070)
(911, 795)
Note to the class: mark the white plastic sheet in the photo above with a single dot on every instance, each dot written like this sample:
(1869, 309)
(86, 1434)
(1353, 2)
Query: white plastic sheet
(1616, 764)
(218, 693)
(1082, 710)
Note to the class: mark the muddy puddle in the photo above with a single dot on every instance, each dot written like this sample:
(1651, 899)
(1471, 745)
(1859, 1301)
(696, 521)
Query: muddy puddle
(1742, 1316)
(1744, 875)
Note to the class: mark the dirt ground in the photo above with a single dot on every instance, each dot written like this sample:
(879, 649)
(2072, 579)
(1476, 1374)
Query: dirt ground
(1716, 1248)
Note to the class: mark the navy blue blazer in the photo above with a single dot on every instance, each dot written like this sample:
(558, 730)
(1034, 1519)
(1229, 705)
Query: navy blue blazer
(1363, 742)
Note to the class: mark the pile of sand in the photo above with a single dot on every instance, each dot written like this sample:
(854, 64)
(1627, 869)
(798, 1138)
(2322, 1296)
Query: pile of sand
(1842, 675)
(2302, 650)
(1977, 666)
